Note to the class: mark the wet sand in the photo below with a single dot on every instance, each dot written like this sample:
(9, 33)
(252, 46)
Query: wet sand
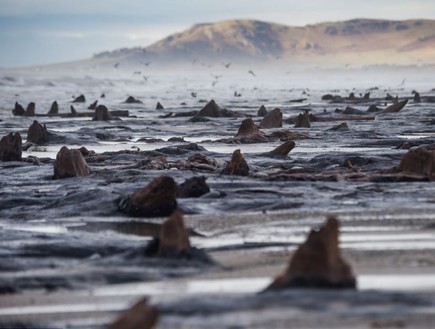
(68, 257)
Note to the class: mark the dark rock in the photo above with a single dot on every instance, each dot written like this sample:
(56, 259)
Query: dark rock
(93, 106)
(193, 187)
(102, 114)
(286, 135)
(181, 149)
(187, 114)
(317, 263)
(237, 166)
(273, 119)
(157, 199)
(165, 116)
(373, 108)
(351, 110)
(79, 99)
(37, 133)
(159, 106)
(70, 163)
(328, 97)
(176, 139)
(404, 146)
(18, 109)
(199, 158)
(417, 98)
(210, 110)
(395, 107)
(54, 109)
(303, 120)
(11, 147)
(140, 315)
(30, 110)
(341, 126)
(353, 161)
(85, 152)
(132, 100)
(262, 112)
(198, 118)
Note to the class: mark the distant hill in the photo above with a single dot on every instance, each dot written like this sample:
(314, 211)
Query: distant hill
(358, 41)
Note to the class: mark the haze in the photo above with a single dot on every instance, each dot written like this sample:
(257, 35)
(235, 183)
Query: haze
(51, 31)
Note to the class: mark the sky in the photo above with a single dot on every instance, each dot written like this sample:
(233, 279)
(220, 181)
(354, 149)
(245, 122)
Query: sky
(36, 32)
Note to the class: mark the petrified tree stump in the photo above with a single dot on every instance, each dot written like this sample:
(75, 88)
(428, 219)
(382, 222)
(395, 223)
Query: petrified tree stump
(237, 166)
(30, 110)
(211, 110)
(283, 149)
(54, 109)
(303, 120)
(79, 99)
(102, 114)
(273, 119)
(173, 238)
(132, 100)
(37, 133)
(93, 106)
(157, 199)
(317, 263)
(139, 316)
(18, 109)
(11, 147)
(395, 107)
(262, 111)
(249, 133)
(418, 161)
(70, 163)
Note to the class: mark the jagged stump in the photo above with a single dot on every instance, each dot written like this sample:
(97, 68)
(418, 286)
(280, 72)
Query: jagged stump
(11, 147)
(157, 199)
(317, 263)
(70, 163)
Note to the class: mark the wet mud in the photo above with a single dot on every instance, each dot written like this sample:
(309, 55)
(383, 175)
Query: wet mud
(66, 236)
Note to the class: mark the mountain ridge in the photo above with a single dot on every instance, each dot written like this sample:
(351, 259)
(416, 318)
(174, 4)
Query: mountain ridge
(364, 41)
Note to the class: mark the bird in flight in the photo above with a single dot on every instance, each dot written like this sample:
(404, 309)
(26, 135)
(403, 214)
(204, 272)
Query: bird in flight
(251, 72)
(116, 65)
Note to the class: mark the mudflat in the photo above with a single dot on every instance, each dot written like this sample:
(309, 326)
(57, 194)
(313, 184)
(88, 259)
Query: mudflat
(72, 254)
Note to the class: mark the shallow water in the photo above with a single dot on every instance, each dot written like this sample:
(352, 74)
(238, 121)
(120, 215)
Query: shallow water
(62, 237)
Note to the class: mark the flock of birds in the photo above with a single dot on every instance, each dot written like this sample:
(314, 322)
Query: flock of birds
(214, 82)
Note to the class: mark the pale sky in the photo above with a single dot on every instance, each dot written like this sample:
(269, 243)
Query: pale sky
(50, 31)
